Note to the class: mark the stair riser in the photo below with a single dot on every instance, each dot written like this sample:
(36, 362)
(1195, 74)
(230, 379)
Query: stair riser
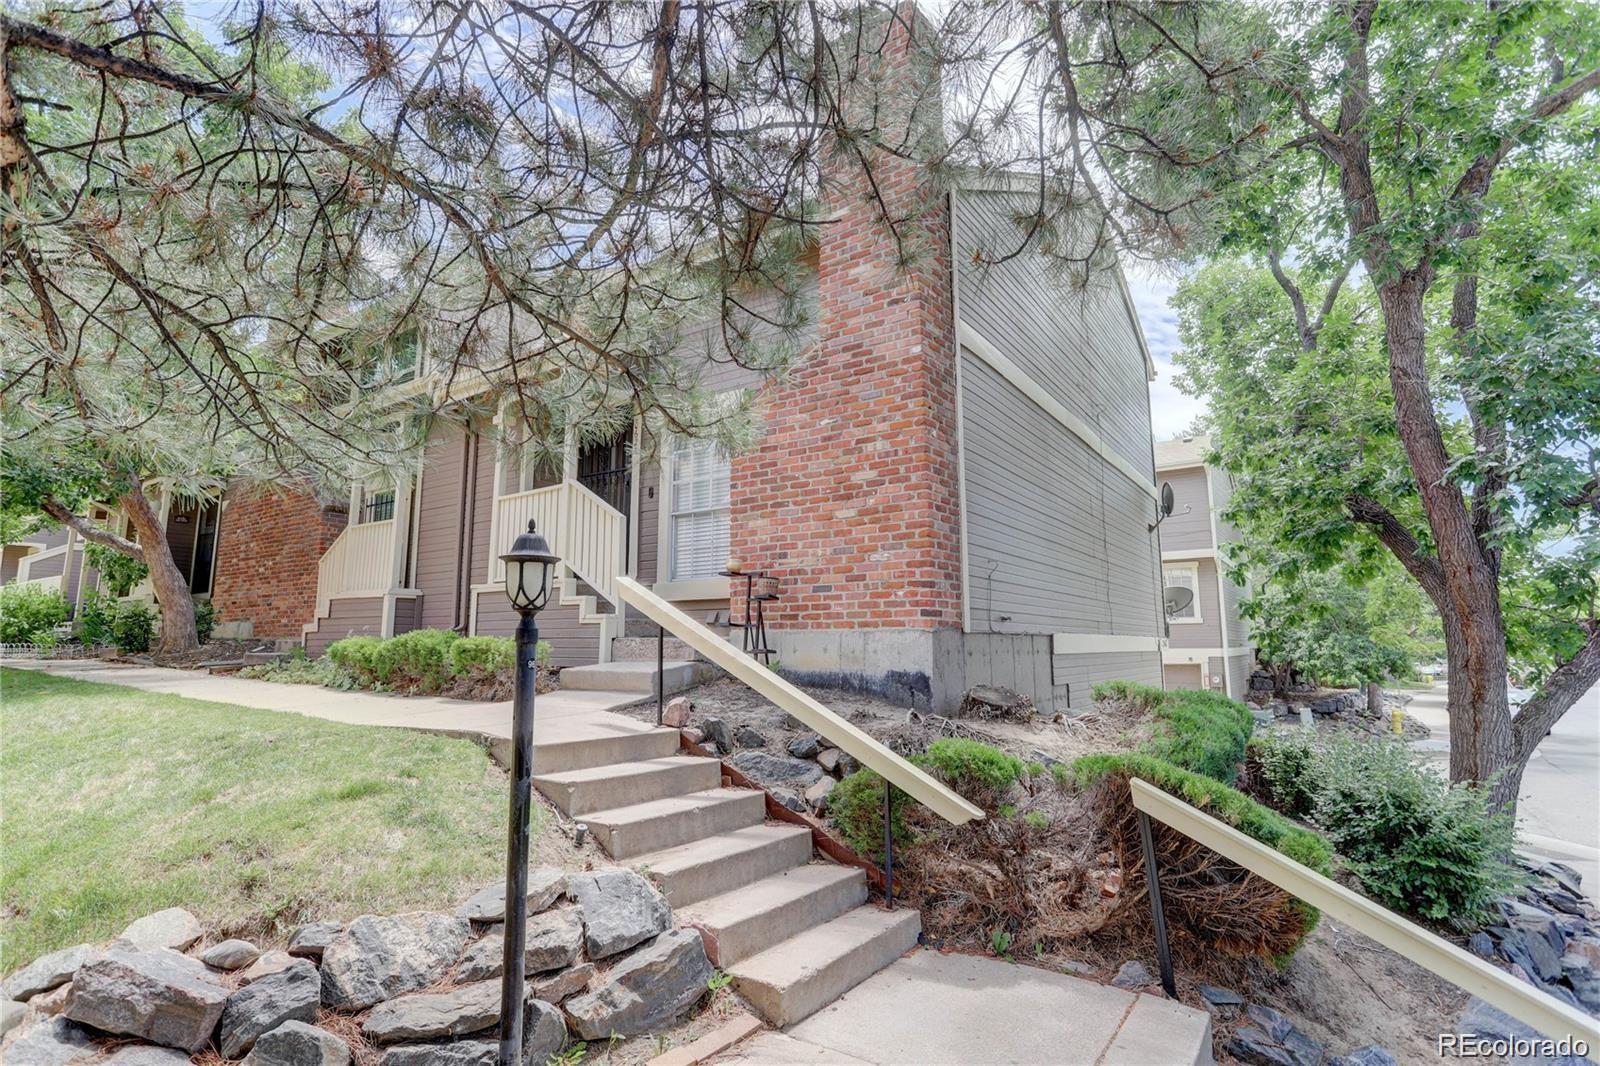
(755, 934)
(716, 876)
(560, 756)
(783, 1005)
(679, 827)
(586, 797)
(678, 678)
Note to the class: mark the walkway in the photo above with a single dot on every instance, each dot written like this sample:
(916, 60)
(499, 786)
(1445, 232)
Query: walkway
(924, 1008)
(558, 716)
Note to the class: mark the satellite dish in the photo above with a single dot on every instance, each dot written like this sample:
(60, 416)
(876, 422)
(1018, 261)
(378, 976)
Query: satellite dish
(1168, 501)
(1176, 598)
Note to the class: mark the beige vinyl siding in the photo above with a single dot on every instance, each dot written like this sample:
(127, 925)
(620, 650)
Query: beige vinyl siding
(1078, 344)
(1206, 633)
(1239, 666)
(1180, 531)
(356, 617)
(649, 518)
(571, 642)
(1182, 675)
(1057, 538)
(439, 531)
(55, 566)
(407, 612)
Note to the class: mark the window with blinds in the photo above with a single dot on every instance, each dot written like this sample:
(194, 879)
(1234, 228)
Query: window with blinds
(1187, 577)
(699, 510)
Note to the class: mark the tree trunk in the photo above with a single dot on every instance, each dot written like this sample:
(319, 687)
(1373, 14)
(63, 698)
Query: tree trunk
(1374, 698)
(172, 588)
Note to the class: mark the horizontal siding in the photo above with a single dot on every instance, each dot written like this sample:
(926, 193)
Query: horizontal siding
(55, 566)
(1206, 633)
(1182, 675)
(356, 617)
(1057, 538)
(1182, 531)
(407, 612)
(1079, 344)
(572, 643)
(439, 527)
(649, 520)
(1076, 675)
(1239, 667)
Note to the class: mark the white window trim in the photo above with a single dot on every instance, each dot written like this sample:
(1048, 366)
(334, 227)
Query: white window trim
(711, 588)
(1193, 570)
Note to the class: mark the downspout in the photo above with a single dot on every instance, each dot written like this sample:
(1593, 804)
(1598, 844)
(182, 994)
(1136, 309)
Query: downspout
(461, 529)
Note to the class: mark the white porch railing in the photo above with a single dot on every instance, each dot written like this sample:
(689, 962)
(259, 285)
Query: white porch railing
(511, 516)
(26, 564)
(360, 560)
(587, 533)
(48, 584)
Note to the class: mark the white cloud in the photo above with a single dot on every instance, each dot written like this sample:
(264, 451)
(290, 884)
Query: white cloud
(1171, 411)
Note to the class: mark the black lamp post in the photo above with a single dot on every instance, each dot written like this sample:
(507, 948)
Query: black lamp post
(528, 566)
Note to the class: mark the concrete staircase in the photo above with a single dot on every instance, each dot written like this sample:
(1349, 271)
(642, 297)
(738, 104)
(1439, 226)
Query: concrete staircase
(637, 676)
(794, 933)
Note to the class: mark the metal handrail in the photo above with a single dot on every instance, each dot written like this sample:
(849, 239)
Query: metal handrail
(896, 770)
(1522, 1001)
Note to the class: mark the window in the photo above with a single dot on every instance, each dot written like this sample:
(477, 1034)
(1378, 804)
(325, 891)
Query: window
(1186, 577)
(376, 506)
(699, 510)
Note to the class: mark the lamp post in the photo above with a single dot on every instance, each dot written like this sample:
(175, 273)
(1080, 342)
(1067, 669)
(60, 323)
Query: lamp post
(528, 566)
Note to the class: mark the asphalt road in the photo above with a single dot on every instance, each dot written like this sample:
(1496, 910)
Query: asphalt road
(1558, 811)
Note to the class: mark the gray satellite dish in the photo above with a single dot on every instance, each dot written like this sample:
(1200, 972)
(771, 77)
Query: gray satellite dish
(1176, 598)
(1168, 501)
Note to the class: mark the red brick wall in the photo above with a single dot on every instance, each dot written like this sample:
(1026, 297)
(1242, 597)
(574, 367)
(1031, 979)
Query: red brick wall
(268, 546)
(851, 497)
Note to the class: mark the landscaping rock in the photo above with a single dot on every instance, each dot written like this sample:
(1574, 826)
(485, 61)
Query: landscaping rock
(1221, 997)
(543, 1034)
(776, 771)
(620, 909)
(310, 941)
(545, 885)
(1372, 1055)
(644, 990)
(378, 958)
(1133, 974)
(154, 995)
(147, 1055)
(51, 1042)
(817, 795)
(711, 748)
(805, 746)
(53, 1001)
(1563, 875)
(677, 712)
(1532, 952)
(790, 799)
(289, 995)
(1481, 945)
(565, 984)
(11, 1013)
(692, 735)
(48, 971)
(299, 1044)
(1526, 918)
(271, 962)
(555, 939)
(746, 737)
(231, 954)
(544, 1031)
(1255, 1048)
(718, 733)
(1272, 1023)
(173, 928)
(828, 759)
(429, 1015)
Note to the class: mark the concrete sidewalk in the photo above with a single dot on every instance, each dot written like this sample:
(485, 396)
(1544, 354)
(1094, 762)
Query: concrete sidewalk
(559, 715)
(930, 1009)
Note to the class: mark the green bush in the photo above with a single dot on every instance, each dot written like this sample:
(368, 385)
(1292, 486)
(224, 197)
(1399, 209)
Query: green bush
(1201, 731)
(1144, 697)
(133, 626)
(979, 772)
(484, 655)
(418, 661)
(1418, 843)
(96, 613)
(119, 573)
(856, 806)
(205, 620)
(1287, 772)
(358, 655)
(296, 669)
(29, 614)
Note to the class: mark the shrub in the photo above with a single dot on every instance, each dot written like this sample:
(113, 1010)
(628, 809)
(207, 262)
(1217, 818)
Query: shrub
(1287, 772)
(119, 572)
(96, 614)
(856, 805)
(133, 625)
(418, 661)
(29, 614)
(296, 669)
(1418, 843)
(979, 772)
(1217, 902)
(1143, 697)
(1201, 731)
(484, 655)
(358, 655)
(205, 620)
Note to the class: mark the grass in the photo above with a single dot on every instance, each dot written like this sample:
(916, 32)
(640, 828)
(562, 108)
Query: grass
(119, 802)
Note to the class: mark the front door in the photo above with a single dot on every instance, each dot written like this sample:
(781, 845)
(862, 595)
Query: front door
(607, 471)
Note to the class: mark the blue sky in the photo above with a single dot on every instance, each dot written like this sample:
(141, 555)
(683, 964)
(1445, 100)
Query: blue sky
(1171, 412)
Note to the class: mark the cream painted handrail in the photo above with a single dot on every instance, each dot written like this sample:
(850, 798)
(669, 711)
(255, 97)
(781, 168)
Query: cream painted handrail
(594, 535)
(1520, 1000)
(868, 752)
(512, 514)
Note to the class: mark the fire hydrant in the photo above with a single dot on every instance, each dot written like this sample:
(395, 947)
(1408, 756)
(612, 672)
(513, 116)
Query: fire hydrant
(1397, 720)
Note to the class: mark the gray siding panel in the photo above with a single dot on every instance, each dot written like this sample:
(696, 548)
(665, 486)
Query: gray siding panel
(1206, 633)
(649, 519)
(357, 617)
(1056, 537)
(571, 642)
(439, 532)
(1079, 344)
(1076, 675)
(1192, 530)
(1182, 675)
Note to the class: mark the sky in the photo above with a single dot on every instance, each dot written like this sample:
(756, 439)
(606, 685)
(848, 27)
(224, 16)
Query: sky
(1171, 412)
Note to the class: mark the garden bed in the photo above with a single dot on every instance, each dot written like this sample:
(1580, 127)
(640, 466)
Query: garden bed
(423, 662)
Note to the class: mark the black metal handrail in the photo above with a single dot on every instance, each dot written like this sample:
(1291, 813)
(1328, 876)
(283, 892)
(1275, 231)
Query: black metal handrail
(612, 486)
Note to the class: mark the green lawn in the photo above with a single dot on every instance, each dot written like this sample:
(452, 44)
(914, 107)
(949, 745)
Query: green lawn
(115, 803)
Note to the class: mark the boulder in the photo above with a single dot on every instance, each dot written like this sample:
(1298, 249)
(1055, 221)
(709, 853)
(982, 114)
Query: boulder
(1481, 945)
(291, 995)
(1255, 1048)
(1531, 951)
(718, 733)
(777, 771)
(569, 982)
(677, 712)
(51, 1042)
(790, 799)
(230, 954)
(173, 928)
(1563, 875)
(48, 971)
(153, 995)
(746, 737)
(298, 1044)
(644, 990)
(1220, 997)
(555, 939)
(828, 759)
(544, 1031)
(11, 1013)
(429, 1015)
(271, 962)
(545, 886)
(147, 1055)
(311, 940)
(52, 1002)
(620, 909)
(1133, 974)
(377, 958)
(816, 796)
(805, 746)
(543, 1034)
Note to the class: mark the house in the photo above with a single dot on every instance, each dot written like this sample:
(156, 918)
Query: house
(1208, 640)
(955, 487)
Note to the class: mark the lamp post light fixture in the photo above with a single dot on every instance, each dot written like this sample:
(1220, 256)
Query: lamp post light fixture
(528, 565)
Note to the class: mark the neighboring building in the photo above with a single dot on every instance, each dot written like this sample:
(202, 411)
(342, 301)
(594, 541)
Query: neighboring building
(954, 488)
(1208, 643)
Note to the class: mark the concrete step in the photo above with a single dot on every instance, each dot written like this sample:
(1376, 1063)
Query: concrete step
(793, 979)
(628, 832)
(751, 919)
(559, 746)
(637, 677)
(643, 649)
(701, 869)
(600, 788)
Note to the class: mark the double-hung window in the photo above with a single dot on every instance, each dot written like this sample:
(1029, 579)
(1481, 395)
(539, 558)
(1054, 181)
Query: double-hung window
(1185, 576)
(699, 510)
